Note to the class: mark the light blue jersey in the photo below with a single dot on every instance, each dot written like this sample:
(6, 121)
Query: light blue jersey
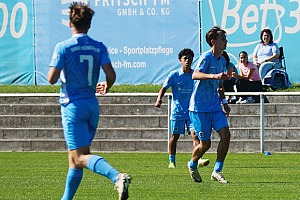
(79, 58)
(205, 97)
(182, 86)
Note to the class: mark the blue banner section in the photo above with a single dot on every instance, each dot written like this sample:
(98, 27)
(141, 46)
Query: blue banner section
(16, 42)
(243, 21)
(143, 37)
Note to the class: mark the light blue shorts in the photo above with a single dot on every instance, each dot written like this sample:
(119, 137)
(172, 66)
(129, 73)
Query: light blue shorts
(80, 120)
(204, 122)
(178, 126)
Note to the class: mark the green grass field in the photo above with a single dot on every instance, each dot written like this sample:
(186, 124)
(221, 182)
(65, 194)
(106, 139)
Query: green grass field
(32, 175)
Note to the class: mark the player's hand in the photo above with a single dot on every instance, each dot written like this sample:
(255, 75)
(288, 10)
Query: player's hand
(221, 76)
(234, 75)
(158, 103)
(226, 109)
(101, 88)
(225, 76)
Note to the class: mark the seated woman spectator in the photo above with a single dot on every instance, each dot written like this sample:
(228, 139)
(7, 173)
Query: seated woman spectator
(228, 84)
(248, 80)
(265, 55)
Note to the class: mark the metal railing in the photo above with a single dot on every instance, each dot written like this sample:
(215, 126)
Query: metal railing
(262, 96)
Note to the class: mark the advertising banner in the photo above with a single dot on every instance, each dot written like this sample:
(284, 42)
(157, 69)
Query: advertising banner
(16, 43)
(243, 21)
(143, 37)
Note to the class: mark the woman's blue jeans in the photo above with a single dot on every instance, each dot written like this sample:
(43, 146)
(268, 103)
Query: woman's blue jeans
(266, 67)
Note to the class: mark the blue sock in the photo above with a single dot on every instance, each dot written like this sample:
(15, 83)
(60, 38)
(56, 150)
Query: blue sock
(72, 183)
(99, 165)
(218, 166)
(193, 164)
(172, 158)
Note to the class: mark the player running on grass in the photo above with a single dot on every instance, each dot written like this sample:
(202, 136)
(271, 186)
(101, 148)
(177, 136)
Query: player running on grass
(182, 85)
(205, 106)
(77, 62)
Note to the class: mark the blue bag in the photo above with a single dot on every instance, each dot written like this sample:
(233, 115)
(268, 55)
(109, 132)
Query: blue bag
(277, 79)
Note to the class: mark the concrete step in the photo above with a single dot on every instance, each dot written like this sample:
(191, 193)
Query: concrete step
(52, 98)
(105, 109)
(269, 108)
(272, 120)
(29, 109)
(132, 123)
(145, 109)
(158, 145)
(106, 121)
(291, 133)
(28, 98)
(143, 121)
(129, 98)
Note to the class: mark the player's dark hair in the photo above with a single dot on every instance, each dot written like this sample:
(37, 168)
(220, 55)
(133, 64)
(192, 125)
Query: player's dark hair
(212, 34)
(266, 31)
(80, 15)
(225, 55)
(185, 52)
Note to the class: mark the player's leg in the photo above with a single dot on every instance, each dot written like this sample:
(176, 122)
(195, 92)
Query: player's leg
(195, 138)
(203, 133)
(73, 179)
(221, 125)
(172, 150)
(80, 158)
(202, 161)
(75, 172)
(224, 143)
(79, 131)
(177, 128)
(98, 164)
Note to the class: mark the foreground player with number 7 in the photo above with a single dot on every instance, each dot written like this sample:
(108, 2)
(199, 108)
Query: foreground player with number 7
(205, 105)
(77, 62)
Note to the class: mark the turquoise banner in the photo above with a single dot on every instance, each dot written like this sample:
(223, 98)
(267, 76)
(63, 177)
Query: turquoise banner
(243, 21)
(142, 37)
(16, 43)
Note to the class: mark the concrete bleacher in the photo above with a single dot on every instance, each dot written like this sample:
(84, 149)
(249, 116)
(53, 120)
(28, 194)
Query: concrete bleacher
(131, 122)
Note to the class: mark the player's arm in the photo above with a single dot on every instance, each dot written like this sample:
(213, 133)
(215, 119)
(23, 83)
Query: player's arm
(161, 93)
(110, 74)
(223, 100)
(53, 75)
(197, 75)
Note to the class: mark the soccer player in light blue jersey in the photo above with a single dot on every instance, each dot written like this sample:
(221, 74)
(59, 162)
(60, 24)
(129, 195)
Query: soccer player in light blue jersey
(76, 61)
(206, 104)
(182, 85)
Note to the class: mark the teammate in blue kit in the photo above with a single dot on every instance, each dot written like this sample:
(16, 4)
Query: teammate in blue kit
(206, 104)
(182, 85)
(76, 61)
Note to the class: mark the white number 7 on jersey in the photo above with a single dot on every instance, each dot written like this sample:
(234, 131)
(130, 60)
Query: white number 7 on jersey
(90, 61)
